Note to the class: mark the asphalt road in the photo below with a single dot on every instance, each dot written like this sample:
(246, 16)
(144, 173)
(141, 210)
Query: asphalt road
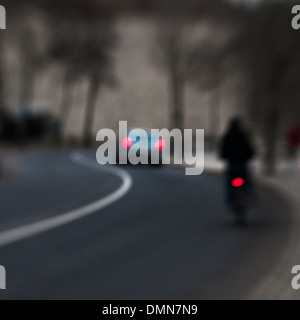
(168, 237)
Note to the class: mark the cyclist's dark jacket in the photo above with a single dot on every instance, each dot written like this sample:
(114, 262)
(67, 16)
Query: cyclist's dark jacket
(235, 146)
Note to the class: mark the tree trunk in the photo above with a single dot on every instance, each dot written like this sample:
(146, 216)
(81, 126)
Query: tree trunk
(28, 69)
(26, 96)
(90, 110)
(2, 82)
(67, 100)
(271, 130)
(177, 98)
(27, 86)
(215, 117)
(273, 117)
(176, 78)
(272, 125)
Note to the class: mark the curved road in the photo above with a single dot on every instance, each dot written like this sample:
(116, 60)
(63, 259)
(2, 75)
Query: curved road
(167, 237)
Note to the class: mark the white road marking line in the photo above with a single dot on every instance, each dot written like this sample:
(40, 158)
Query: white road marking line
(30, 230)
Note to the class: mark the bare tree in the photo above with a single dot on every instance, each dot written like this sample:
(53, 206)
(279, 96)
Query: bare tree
(176, 44)
(97, 67)
(171, 43)
(207, 69)
(65, 47)
(268, 47)
(2, 79)
(27, 35)
(82, 43)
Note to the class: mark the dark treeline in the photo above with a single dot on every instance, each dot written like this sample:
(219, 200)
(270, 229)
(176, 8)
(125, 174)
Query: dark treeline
(255, 42)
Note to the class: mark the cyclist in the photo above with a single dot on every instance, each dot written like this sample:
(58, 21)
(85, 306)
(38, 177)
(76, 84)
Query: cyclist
(237, 151)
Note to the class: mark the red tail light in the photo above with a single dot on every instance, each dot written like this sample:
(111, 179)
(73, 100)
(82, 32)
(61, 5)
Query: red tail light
(238, 182)
(126, 143)
(160, 144)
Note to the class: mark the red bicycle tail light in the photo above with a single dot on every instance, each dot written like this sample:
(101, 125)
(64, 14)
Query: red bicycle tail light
(237, 182)
(126, 143)
(160, 144)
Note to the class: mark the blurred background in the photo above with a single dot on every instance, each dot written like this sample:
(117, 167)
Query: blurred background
(69, 68)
